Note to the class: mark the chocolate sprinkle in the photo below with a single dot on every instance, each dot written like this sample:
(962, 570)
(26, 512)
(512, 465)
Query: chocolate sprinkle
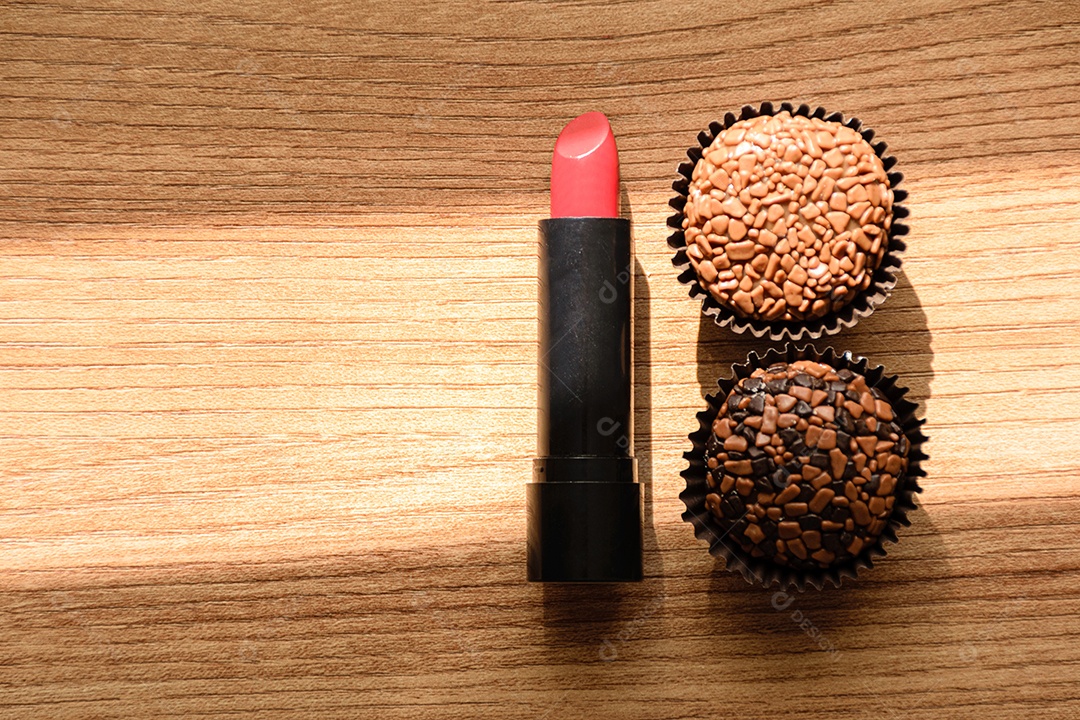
(817, 492)
(787, 216)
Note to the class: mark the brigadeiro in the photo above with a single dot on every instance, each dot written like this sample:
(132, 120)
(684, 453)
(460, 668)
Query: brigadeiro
(786, 222)
(803, 466)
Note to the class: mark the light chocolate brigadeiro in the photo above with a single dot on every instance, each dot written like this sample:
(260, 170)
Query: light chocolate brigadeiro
(805, 464)
(787, 217)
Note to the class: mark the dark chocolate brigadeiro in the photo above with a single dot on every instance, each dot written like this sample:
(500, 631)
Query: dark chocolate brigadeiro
(787, 217)
(804, 464)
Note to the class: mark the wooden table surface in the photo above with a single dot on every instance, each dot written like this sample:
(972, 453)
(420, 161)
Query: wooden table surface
(268, 361)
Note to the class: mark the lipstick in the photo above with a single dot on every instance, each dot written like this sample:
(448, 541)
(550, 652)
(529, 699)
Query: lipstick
(583, 506)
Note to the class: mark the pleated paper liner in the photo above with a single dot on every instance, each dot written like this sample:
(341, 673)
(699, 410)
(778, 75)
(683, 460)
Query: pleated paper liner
(763, 571)
(863, 305)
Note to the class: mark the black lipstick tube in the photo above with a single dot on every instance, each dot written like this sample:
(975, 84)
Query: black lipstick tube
(583, 506)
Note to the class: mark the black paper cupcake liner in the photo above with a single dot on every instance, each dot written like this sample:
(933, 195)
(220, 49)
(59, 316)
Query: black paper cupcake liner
(864, 304)
(764, 572)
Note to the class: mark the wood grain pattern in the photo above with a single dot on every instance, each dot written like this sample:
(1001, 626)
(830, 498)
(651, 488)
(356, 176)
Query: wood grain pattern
(268, 350)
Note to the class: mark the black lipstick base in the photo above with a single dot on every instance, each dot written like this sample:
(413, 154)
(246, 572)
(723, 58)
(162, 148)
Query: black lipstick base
(584, 531)
(584, 505)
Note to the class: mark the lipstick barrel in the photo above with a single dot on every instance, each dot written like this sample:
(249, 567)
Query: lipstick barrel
(584, 504)
(585, 315)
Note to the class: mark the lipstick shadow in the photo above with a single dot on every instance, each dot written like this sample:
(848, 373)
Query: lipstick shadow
(583, 506)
